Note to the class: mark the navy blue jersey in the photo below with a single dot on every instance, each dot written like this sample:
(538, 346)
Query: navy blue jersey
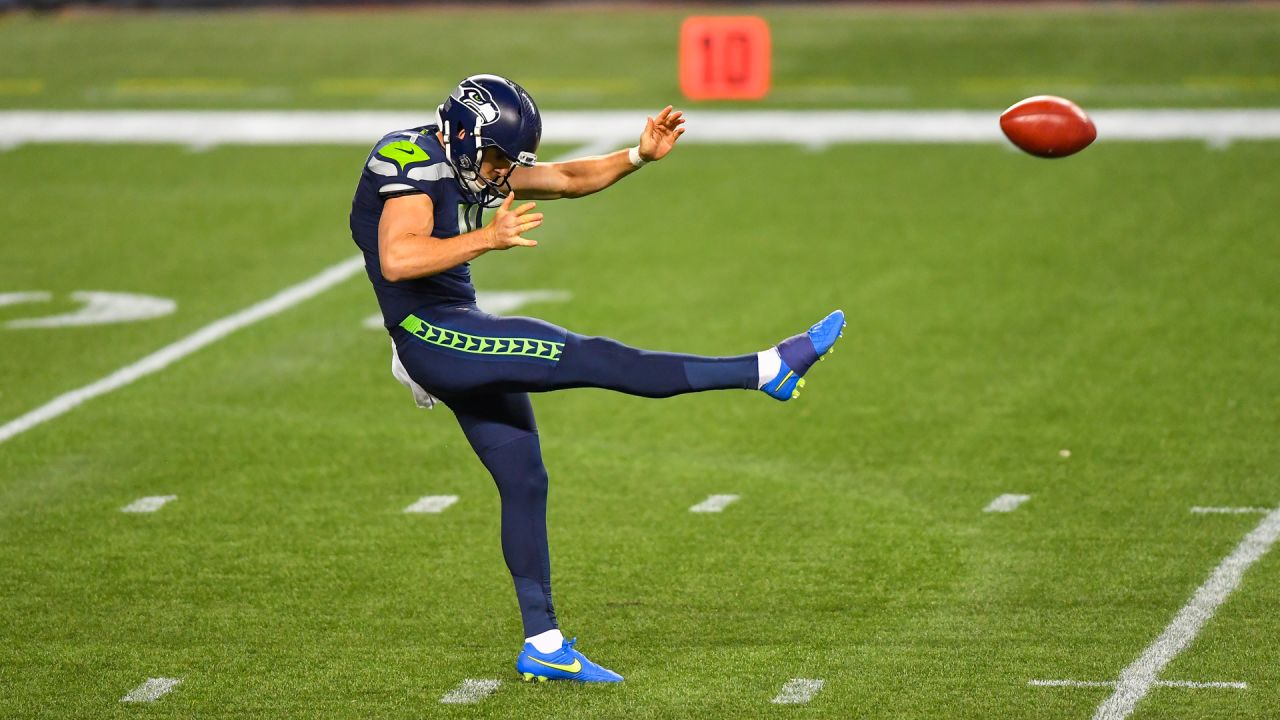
(401, 163)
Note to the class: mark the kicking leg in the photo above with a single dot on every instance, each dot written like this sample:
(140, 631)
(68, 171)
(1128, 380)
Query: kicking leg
(779, 371)
(602, 362)
(464, 351)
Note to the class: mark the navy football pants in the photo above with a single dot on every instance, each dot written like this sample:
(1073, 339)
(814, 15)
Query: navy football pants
(483, 367)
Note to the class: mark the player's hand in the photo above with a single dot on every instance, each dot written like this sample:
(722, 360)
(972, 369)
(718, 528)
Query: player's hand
(508, 226)
(660, 134)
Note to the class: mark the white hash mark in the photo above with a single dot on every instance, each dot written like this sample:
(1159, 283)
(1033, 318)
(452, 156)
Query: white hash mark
(1006, 503)
(470, 691)
(713, 504)
(151, 690)
(798, 691)
(432, 504)
(148, 504)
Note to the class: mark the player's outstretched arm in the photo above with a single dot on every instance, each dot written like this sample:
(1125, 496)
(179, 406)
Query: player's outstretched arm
(407, 250)
(583, 176)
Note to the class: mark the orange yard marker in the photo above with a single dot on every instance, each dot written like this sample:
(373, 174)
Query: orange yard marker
(724, 58)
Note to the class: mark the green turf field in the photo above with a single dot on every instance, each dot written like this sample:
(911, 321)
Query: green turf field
(1121, 305)
(824, 56)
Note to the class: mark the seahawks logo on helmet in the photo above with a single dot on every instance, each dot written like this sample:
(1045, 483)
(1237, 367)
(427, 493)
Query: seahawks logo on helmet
(479, 101)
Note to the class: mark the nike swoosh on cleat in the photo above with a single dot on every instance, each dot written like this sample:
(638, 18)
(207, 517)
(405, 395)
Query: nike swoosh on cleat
(784, 380)
(575, 667)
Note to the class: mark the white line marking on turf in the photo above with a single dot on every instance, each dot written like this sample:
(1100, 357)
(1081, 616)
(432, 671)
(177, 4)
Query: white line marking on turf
(169, 354)
(713, 503)
(470, 691)
(1229, 510)
(432, 504)
(1158, 683)
(601, 146)
(151, 690)
(17, 298)
(798, 691)
(616, 128)
(148, 504)
(1211, 685)
(1072, 683)
(1006, 503)
(1137, 679)
(101, 308)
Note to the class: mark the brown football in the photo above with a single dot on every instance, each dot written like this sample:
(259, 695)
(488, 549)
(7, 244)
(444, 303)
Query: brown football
(1048, 126)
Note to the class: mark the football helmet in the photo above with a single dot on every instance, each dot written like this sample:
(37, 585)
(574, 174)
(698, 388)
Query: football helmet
(488, 111)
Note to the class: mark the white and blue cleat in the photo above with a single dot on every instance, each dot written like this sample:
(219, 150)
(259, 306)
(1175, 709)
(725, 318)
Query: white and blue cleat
(800, 352)
(563, 664)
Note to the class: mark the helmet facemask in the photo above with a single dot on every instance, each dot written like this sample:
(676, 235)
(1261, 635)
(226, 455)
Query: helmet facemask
(462, 120)
(464, 151)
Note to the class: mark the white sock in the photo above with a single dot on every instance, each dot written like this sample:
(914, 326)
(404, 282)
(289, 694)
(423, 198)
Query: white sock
(547, 642)
(768, 363)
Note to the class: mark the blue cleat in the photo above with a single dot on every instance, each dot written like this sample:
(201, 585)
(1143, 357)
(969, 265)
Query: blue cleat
(563, 664)
(800, 352)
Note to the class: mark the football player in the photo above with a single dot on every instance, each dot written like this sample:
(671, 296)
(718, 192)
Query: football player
(418, 217)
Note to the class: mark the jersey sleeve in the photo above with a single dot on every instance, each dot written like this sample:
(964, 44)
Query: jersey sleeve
(402, 167)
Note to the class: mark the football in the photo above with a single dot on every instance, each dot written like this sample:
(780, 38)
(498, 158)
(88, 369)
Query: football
(1048, 126)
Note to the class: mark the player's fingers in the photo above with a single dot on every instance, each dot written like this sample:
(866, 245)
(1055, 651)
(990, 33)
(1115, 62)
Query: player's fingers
(506, 202)
(662, 116)
(525, 208)
(525, 242)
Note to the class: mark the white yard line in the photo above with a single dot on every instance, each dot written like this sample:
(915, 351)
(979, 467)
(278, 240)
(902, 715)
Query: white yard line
(148, 504)
(713, 504)
(151, 690)
(1158, 683)
(432, 504)
(169, 354)
(615, 128)
(798, 691)
(600, 146)
(470, 691)
(1230, 510)
(1137, 679)
(1006, 503)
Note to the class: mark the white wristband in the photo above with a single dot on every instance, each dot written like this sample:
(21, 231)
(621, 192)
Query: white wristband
(634, 156)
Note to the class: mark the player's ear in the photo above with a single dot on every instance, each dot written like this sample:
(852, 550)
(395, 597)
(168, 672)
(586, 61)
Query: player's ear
(462, 133)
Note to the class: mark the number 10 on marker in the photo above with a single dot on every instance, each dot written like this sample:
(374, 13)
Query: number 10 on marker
(724, 58)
